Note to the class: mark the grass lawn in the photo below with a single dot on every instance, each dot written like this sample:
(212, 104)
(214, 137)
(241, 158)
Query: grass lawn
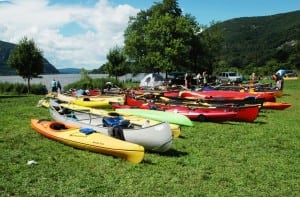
(209, 159)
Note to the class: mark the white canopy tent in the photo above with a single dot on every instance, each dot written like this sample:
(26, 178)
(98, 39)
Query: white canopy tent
(152, 80)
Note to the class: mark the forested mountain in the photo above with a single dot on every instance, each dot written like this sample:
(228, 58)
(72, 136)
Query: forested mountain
(5, 49)
(254, 41)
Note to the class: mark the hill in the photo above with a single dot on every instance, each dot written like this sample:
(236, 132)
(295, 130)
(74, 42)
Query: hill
(253, 41)
(6, 48)
(69, 70)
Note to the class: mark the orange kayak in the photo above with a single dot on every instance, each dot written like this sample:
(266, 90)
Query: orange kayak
(275, 105)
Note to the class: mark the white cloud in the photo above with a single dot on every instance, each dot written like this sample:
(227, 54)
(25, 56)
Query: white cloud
(102, 27)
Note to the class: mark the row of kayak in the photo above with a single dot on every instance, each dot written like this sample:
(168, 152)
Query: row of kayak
(141, 123)
(245, 106)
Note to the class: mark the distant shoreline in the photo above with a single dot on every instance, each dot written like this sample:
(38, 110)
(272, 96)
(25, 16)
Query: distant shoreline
(64, 79)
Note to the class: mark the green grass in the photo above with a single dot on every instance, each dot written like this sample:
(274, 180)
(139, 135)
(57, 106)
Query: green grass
(209, 159)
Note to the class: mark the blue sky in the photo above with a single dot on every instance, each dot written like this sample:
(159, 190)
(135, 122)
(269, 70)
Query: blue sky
(79, 33)
(220, 10)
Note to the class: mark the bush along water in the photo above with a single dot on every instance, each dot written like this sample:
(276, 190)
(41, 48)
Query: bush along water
(90, 84)
(19, 88)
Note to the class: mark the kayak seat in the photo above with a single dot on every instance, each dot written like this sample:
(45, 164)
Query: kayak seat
(58, 126)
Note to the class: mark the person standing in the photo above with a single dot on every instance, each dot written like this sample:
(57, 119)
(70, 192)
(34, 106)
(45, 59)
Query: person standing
(54, 85)
(278, 81)
(58, 87)
(186, 80)
(198, 78)
(204, 75)
(252, 78)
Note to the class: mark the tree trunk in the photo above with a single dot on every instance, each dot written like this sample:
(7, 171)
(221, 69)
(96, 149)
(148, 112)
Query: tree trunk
(28, 85)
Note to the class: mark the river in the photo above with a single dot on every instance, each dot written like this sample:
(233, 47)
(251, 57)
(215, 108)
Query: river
(64, 79)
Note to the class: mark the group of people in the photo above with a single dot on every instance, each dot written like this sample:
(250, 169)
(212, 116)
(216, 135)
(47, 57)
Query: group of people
(277, 77)
(55, 86)
(201, 79)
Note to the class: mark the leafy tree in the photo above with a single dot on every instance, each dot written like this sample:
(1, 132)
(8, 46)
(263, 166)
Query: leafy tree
(27, 59)
(167, 40)
(116, 65)
(161, 39)
(272, 66)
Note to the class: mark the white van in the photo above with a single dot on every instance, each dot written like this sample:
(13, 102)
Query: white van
(229, 77)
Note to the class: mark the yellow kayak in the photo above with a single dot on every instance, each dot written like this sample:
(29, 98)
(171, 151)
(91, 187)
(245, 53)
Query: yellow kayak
(90, 101)
(87, 139)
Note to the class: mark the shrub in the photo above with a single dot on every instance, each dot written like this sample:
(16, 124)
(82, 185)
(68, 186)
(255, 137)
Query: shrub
(93, 84)
(19, 88)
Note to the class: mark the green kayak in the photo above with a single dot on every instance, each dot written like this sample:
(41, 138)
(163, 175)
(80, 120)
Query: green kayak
(162, 116)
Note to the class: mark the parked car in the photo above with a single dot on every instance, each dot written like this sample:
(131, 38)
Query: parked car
(290, 74)
(232, 77)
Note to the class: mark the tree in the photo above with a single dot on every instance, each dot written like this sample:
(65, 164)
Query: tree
(116, 64)
(27, 59)
(161, 39)
(158, 39)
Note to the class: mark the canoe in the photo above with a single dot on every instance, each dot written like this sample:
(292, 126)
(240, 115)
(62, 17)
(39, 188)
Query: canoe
(176, 130)
(158, 115)
(86, 139)
(156, 138)
(276, 105)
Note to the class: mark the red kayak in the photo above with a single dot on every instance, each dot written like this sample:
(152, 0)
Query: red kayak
(247, 113)
(212, 95)
(202, 114)
(198, 114)
(171, 94)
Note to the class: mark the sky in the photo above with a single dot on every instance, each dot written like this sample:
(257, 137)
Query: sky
(80, 33)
